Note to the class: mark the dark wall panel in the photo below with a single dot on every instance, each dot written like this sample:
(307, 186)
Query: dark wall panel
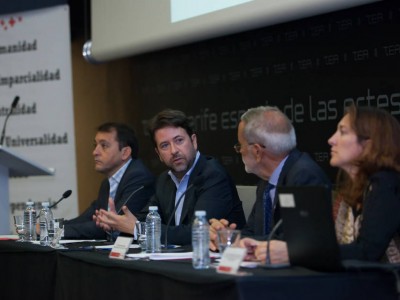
(311, 69)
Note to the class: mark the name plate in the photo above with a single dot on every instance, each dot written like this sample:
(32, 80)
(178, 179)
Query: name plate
(121, 247)
(231, 260)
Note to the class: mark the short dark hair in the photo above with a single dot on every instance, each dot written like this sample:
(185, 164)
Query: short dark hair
(169, 118)
(126, 136)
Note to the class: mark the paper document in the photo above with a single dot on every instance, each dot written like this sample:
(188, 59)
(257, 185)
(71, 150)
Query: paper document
(105, 247)
(167, 256)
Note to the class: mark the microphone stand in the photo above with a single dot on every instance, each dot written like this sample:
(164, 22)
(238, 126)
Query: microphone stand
(173, 214)
(64, 196)
(3, 133)
(129, 197)
(110, 237)
(268, 263)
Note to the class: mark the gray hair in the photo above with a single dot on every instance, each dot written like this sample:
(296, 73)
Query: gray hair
(270, 127)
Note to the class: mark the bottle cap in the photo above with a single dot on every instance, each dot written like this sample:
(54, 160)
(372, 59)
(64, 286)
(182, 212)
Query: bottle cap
(29, 203)
(200, 213)
(44, 204)
(152, 208)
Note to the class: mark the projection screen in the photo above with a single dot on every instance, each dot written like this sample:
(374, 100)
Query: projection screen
(130, 27)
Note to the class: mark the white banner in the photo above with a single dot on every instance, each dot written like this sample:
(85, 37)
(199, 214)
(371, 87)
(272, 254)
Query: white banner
(35, 64)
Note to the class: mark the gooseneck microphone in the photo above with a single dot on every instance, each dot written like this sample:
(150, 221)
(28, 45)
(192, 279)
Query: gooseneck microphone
(195, 182)
(64, 196)
(268, 264)
(111, 232)
(270, 235)
(133, 193)
(13, 106)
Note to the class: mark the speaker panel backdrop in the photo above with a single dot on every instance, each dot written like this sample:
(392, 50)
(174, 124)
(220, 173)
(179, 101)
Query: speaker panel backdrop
(311, 69)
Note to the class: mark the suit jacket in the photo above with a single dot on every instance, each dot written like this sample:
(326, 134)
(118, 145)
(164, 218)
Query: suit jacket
(134, 177)
(215, 193)
(380, 221)
(299, 169)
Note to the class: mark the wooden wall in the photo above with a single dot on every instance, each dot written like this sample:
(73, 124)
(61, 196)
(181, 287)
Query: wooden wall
(101, 93)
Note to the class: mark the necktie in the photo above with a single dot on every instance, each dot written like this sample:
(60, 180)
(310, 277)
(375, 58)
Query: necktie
(267, 207)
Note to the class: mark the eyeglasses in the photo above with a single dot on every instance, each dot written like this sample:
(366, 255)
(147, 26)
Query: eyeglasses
(238, 146)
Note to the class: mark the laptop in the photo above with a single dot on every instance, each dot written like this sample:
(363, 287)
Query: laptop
(308, 227)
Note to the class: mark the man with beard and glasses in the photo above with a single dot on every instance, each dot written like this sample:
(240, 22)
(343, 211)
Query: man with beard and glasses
(213, 191)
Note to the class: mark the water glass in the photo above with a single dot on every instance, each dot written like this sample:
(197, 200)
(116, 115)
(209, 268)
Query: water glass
(228, 238)
(141, 234)
(19, 227)
(55, 242)
(58, 223)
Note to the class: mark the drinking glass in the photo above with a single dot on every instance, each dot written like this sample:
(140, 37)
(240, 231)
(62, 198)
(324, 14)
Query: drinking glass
(228, 238)
(19, 227)
(141, 233)
(55, 242)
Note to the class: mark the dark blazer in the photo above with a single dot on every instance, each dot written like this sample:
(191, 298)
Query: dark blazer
(215, 193)
(134, 177)
(380, 221)
(299, 169)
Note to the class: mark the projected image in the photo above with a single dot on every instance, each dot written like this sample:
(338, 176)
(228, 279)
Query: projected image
(185, 9)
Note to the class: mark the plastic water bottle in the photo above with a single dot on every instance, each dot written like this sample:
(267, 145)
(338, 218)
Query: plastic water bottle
(46, 222)
(153, 231)
(30, 222)
(200, 241)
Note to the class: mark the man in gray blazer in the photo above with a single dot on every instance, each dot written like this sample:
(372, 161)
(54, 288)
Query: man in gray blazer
(267, 144)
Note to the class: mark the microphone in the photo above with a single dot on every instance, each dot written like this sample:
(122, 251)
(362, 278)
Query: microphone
(13, 105)
(111, 233)
(133, 193)
(195, 182)
(64, 196)
(268, 254)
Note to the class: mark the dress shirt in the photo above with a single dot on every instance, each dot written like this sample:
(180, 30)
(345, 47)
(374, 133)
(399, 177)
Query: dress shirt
(274, 179)
(181, 186)
(115, 179)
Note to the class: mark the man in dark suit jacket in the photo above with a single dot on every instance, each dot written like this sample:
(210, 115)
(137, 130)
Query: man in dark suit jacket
(267, 144)
(213, 190)
(298, 169)
(115, 155)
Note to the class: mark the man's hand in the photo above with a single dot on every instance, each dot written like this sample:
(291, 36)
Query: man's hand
(277, 250)
(104, 226)
(216, 225)
(123, 223)
(250, 245)
(257, 250)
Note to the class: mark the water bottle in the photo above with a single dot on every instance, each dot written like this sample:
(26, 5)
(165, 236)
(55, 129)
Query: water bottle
(200, 241)
(153, 231)
(46, 222)
(51, 229)
(30, 222)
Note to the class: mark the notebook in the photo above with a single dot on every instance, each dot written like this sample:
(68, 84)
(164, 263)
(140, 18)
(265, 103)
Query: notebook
(308, 227)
